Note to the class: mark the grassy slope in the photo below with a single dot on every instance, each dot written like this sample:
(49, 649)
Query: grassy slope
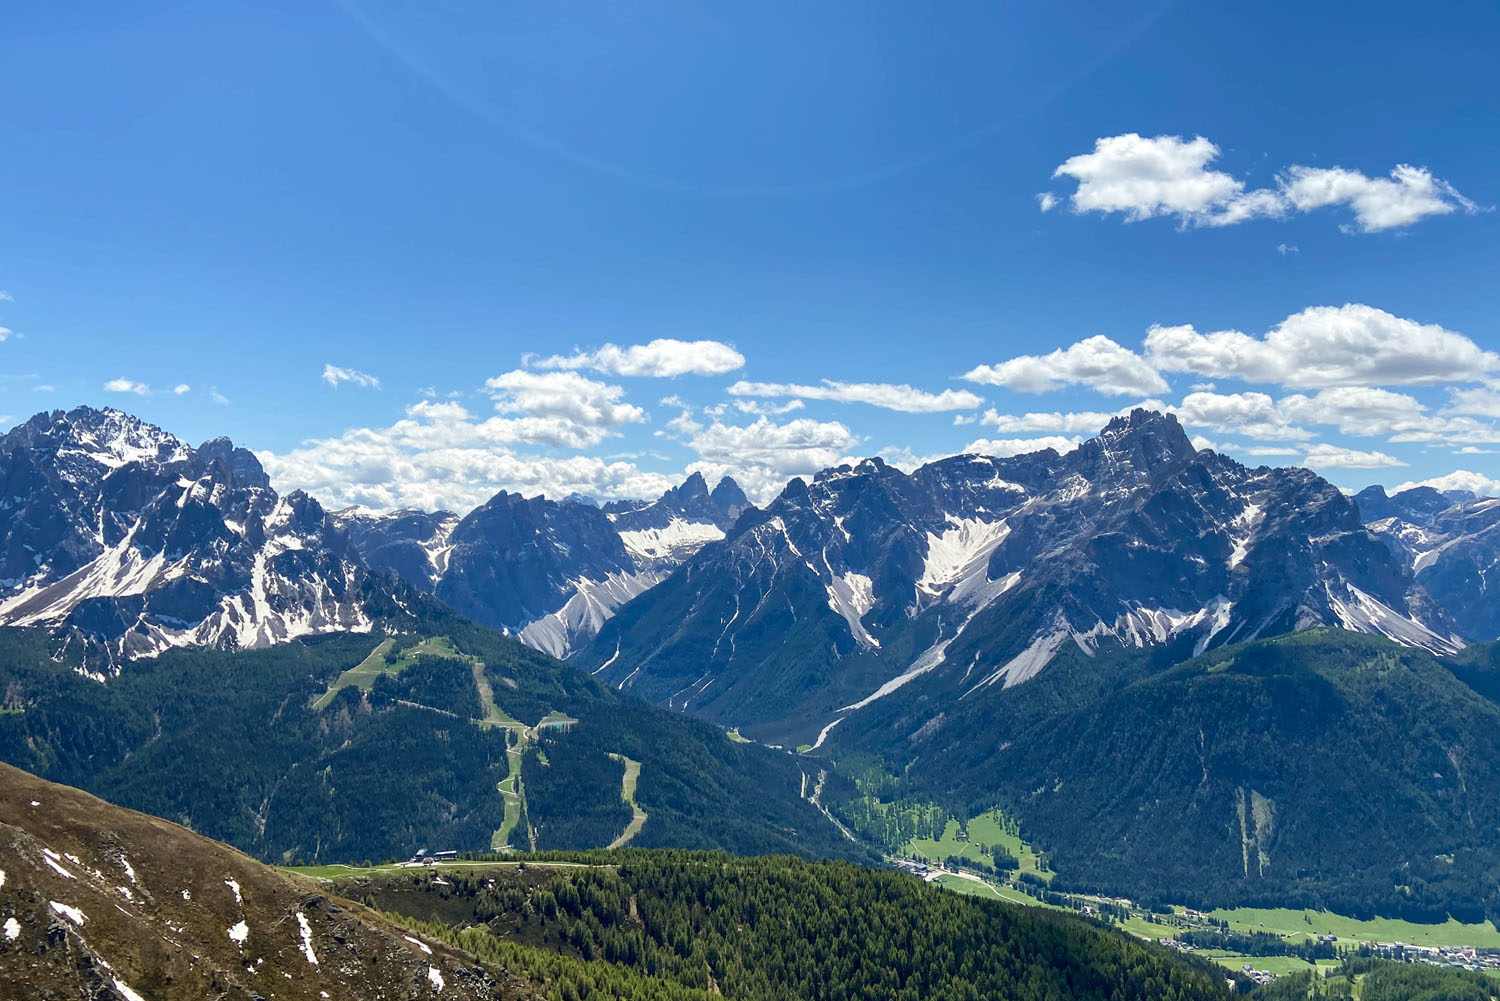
(154, 904)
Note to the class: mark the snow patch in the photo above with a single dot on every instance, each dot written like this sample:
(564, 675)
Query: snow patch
(236, 888)
(73, 914)
(125, 991)
(12, 929)
(307, 949)
(418, 943)
(239, 932)
(435, 978)
(1244, 526)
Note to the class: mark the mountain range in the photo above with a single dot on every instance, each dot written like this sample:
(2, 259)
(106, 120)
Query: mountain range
(978, 632)
(970, 574)
(1451, 542)
(551, 572)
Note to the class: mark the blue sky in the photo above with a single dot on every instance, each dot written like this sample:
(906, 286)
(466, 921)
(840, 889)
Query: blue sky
(383, 244)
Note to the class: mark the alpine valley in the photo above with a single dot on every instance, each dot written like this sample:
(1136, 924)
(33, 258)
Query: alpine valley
(1160, 666)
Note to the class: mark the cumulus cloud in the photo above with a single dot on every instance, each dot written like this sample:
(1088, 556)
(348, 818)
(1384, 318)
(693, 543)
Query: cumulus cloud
(181, 388)
(1326, 456)
(762, 456)
(127, 386)
(1005, 447)
(1347, 345)
(1409, 194)
(878, 394)
(439, 456)
(1254, 415)
(1460, 479)
(1483, 402)
(1096, 362)
(1171, 176)
(334, 375)
(1046, 201)
(661, 358)
(562, 398)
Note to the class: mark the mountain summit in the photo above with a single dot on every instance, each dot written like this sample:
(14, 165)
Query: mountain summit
(870, 584)
(120, 533)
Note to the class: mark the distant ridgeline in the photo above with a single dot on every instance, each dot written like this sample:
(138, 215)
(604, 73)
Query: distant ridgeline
(249, 748)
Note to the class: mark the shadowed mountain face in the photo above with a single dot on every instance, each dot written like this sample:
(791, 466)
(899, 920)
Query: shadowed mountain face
(117, 532)
(552, 572)
(1451, 542)
(973, 572)
(105, 902)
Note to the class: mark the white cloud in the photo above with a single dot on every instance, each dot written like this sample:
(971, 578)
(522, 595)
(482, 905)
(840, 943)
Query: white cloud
(1047, 201)
(878, 394)
(1005, 447)
(6, 296)
(661, 358)
(1322, 346)
(1326, 456)
(333, 375)
(181, 388)
(1096, 362)
(127, 386)
(440, 456)
(561, 408)
(1201, 443)
(1483, 402)
(758, 408)
(1087, 420)
(1461, 479)
(1476, 450)
(763, 456)
(1254, 415)
(6, 333)
(44, 388)
(1170, 176)
(1408, 195)
(1285, 249)
(218, 397)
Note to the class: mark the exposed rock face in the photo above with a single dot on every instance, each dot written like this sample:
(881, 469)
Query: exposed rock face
(1451, 541)
(551, 572)
(974, 571)
(115, 531)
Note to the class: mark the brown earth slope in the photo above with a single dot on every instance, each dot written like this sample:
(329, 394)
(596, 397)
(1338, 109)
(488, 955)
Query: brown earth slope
(101, 902)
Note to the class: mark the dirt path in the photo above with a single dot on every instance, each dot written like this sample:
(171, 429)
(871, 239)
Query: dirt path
(627, 793)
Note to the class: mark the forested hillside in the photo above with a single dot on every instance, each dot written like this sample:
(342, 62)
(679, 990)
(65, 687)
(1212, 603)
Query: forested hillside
(1322, 769)
(231, 745)
(679, 926)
